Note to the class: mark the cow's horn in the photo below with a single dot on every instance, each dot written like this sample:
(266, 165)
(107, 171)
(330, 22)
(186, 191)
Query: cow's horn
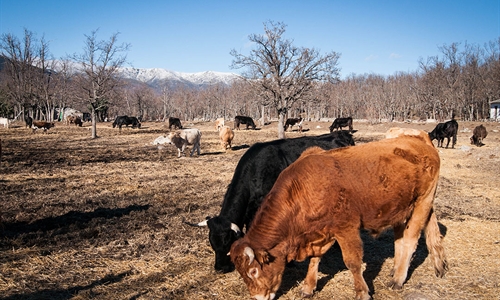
(234, 227)
(249, 252)
(203, 223)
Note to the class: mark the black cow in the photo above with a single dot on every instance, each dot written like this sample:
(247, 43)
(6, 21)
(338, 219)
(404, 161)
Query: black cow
(125, 120)
(28, 121)
(86, 117)
(292, 121)
(338, 123)
(174, 122)
(243, 120)
(253, 178)
(478, 135)
(445, 130)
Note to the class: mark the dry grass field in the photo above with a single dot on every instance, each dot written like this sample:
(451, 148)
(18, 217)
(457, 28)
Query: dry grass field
(103, 218)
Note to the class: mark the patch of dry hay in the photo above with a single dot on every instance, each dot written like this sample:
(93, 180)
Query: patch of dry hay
(103, 219)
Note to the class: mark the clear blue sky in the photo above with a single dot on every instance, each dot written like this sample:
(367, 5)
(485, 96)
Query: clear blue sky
(380, 37)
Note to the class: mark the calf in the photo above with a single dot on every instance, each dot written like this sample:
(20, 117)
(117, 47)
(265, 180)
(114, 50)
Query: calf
(243, 120)
(338, 123)
(219, 123)
(253, 178)
(181, 139)
(174, 122)
(326, 196)
(478, 135)
(126, 120)
(226, 136)
(445, 130)
(42, 125)
(5, 122)
(292, 121)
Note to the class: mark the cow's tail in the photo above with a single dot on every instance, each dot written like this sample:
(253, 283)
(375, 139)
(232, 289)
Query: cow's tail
(433, 239)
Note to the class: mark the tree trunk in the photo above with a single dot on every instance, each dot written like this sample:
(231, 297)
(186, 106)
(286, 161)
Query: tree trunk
(94, 123)
(263, 116)
(281, 128)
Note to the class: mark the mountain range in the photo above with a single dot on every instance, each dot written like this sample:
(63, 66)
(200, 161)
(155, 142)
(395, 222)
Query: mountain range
(158, 78)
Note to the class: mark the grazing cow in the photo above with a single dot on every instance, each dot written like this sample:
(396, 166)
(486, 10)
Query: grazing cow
(219, 123)
(28, 121)
(327, 196)
(338, 123)
(183, 138)
(42, 125)
(253, 178)
(292, 121)
(74, 120)
(226, 135)
(479, 134)
(125, 120)
(243, 120)
(445, 130)
(175, 122)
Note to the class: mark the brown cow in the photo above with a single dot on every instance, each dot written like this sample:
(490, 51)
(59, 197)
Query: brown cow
(74, 120)
(226, 135)
(478, 135)
(327, 196)
(42, 125)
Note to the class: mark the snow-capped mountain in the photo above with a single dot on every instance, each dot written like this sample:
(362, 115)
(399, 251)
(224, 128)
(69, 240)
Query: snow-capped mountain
(159, 77)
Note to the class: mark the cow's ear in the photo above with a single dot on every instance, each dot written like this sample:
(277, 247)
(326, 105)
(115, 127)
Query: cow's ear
(263, 257)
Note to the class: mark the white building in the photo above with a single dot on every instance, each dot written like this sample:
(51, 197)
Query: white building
(495, 110)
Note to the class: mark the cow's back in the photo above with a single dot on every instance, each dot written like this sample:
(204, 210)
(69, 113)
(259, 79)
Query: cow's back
(261, 165)
(394, 172)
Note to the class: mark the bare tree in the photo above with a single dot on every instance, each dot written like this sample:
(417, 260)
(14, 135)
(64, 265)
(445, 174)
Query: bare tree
(99, 63)
(282, 72)
(19, 67)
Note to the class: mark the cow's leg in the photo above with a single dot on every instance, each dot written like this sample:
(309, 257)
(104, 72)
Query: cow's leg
(311, 278)
(448, 142)
(352, 252)
(433, 239)
(419, 219)
(398, 245)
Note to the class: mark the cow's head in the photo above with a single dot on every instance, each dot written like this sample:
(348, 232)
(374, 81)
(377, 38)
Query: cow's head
(222, 234)
(261, 272)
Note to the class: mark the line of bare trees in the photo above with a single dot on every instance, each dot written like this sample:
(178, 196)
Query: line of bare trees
(461, 81)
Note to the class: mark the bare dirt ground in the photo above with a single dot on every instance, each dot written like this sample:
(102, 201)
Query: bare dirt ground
(103, 218)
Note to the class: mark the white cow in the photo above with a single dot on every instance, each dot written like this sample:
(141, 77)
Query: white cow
(181, 139)
(5, 122)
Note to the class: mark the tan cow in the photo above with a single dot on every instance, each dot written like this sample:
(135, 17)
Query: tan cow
(219, 123)
(327, 196)
(226, 135)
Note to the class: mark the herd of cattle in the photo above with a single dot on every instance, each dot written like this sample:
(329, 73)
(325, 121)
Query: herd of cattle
(292, 199)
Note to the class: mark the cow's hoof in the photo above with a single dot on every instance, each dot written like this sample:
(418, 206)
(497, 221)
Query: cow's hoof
(306, 294)
(395, 286)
